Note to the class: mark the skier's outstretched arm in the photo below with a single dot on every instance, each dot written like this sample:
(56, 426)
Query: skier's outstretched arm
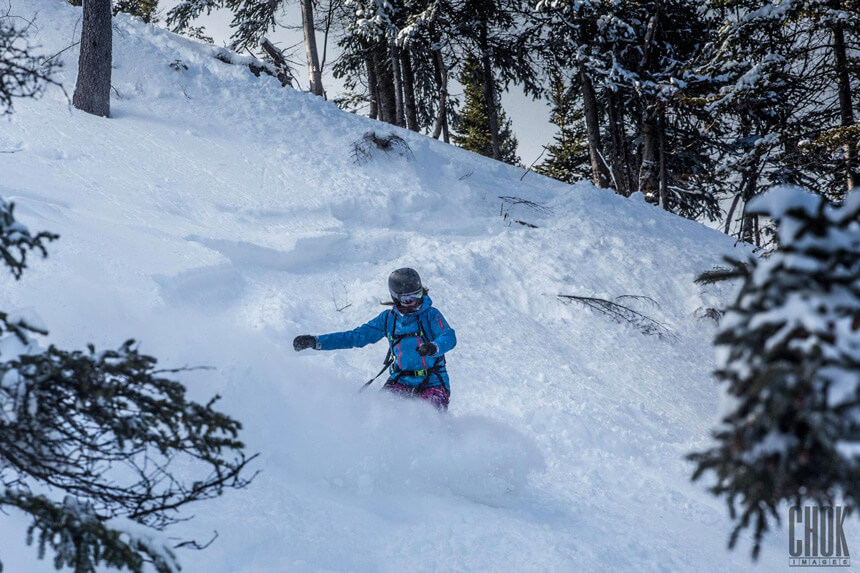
(367, 333)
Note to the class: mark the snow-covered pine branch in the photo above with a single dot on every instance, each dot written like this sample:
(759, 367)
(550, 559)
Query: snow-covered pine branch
(789, 355)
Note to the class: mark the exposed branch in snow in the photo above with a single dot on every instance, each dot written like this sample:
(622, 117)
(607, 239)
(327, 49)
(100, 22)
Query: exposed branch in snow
(282, 67)
(363, 149)
(714, 314)
(720, 274)
(620, 313)
(508, 200)
(192, 544)
(338, 307)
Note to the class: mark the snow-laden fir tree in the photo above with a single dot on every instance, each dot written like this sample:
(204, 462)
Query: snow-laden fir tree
(789, 366)
(786, 104)
(567, 156)
(633, 61)
(472, 128)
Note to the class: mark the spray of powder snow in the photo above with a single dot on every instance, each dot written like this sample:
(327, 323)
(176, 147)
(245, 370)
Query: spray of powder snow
(373, 443)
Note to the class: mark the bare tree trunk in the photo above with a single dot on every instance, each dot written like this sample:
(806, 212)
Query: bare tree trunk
(749, 224)
(314, 70)
(616, 134)
(385, 84)
(490, 95)
(664, 183)
(728, 227)
(408, 90)
(843, 82)
(441, 73)
(394, 58)
(648, 166)
(372, 87)
(599, 171)
(92, 91)
(626, 161)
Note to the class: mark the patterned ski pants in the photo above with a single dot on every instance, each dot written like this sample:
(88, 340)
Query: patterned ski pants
(436, 395)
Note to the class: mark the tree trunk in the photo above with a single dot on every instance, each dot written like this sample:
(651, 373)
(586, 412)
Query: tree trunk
(664, 180)
(314, 70)
(728, 226)
(385, 84)
(748, 231)
(843, 82)
(441, 126)
(626, 165)
(372, 87)
(648, 167)
(616, 133)
(490, 94)
(599, 171)
(92, 91)
(408, 90)
(394, 58)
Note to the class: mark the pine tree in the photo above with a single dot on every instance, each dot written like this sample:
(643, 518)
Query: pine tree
(568, 159)
(472, 128)
(632, 60)
(790, 363)
(785, 107)
(145, 9)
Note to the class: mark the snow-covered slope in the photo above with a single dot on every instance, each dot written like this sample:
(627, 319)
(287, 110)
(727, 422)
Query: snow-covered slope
(217, 215)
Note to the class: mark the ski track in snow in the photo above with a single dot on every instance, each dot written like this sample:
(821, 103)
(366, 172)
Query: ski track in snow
(215, 216)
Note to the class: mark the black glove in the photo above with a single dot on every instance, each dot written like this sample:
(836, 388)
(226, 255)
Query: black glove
(427, 348)
(304, 341)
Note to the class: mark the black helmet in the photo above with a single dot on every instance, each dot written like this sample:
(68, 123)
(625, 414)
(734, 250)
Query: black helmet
(405, 286)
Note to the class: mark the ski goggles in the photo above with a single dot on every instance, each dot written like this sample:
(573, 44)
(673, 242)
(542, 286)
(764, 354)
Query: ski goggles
(410, 298)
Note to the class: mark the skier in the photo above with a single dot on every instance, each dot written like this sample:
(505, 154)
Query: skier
(418, 338)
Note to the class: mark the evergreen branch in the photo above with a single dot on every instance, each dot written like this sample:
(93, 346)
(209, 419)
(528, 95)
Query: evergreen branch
(80, 540)
(789, 363)
(16, 240)
(96, 407)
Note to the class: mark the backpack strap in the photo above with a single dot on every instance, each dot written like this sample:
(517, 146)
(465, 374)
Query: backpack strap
(428, 373)
(389, 357)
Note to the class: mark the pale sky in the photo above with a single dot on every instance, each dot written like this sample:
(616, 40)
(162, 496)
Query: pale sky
(530, 119)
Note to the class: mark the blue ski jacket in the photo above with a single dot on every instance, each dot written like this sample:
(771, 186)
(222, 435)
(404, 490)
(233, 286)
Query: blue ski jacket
(409, 367)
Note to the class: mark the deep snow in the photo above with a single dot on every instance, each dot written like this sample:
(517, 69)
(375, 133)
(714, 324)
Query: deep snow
(217, 215)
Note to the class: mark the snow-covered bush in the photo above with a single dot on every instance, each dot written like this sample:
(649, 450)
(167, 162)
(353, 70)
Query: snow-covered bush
(789, 361)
